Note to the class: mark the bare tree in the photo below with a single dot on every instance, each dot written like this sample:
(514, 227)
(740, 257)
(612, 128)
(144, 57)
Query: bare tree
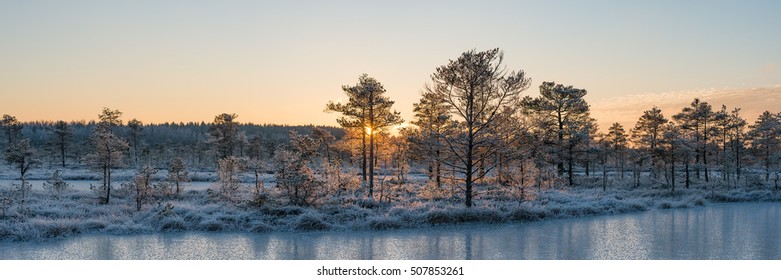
(477, 89)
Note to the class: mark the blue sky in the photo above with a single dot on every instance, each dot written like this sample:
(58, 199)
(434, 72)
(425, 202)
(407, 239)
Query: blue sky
(282, 61)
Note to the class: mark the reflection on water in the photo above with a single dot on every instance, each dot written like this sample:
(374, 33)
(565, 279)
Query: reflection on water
(736, 231)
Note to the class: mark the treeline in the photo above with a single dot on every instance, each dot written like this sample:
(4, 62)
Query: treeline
(66, 144)
(473, 134)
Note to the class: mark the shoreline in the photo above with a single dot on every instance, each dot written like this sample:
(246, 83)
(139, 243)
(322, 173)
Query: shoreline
(77, 212)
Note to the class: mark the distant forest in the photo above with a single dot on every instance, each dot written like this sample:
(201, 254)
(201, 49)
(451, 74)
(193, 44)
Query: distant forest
(155, 144)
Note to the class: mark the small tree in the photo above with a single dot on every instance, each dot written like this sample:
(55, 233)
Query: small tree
(136, 128)
(21, 156)
(62, 134)
(12, 128)
(177, 173)
(228, 170)
(618, 140)
(56, 185)
(293, 173)
(142, 184)
(257, 166)
(108, 151)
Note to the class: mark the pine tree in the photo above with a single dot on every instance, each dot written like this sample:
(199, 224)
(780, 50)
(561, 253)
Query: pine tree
(565, 113)
(177, 173)
(12, 128)
(618, 141)
(765, 135)
(431, 118)
(696, 118)
(477, 90)
(108, 151)
(62, 134)
(368, 109)
(224, 134)
(136, 128)
(645, 136)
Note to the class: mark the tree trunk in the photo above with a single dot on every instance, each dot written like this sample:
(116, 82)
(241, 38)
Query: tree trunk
(672, 171)
(108, 185)
(687, 173)
(363, 156)
(705, 150)
(371, 150)
(569, 168)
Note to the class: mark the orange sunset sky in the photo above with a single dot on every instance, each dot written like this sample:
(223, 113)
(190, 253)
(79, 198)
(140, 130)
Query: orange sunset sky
(281, 62)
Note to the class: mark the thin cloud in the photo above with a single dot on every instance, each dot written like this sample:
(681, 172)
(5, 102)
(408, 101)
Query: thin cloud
(769, 68)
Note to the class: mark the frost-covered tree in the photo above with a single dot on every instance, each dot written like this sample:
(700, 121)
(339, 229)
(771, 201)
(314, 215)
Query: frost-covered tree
(224, 134)
(228, 171)
(255, 148)
(368, 109)
(109, 119)
(293, 172)
(476, 89)
(12, 128)
(61, 137)
(257, 167)
(432, 115)
(618, 141)
(177, 173)
(737, 139)
(109, 150)
(604, 150)
(56, 185)
(21, 155)
(645, 136)
(674, 148)
(136, 128)
(697, 119)
(143, 186)
(765, 135)
(565, 114)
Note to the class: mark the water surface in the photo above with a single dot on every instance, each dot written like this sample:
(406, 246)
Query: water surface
(727, 231)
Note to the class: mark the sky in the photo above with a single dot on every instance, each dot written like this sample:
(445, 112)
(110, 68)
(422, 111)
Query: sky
(282, 61)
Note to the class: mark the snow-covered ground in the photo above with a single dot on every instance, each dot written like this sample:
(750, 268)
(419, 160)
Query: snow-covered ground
(199, 208)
